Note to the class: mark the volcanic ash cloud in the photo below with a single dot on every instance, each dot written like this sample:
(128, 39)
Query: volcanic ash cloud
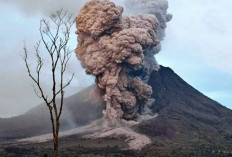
(111, 48)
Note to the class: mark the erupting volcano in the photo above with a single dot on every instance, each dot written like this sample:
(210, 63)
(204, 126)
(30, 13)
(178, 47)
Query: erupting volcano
(117, 50)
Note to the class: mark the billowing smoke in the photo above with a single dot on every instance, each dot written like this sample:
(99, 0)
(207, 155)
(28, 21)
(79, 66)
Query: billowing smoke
(159, 9)
(155, 7)
(111, 48)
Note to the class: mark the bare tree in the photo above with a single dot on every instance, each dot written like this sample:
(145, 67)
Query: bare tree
(55, 34)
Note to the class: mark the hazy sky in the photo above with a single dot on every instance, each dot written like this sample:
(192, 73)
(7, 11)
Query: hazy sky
(197, 48)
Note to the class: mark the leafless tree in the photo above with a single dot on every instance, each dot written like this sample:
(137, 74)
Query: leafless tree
(55, 34)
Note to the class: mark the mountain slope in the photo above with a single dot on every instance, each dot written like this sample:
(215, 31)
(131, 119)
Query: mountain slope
(187, 119)
(79, 109)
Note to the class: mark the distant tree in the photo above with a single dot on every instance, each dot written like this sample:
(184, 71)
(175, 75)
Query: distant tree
(55, 34)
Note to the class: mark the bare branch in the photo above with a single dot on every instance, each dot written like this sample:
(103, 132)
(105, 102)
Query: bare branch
(65, 85)
(36, 80)
(36, 92)
(55, 42)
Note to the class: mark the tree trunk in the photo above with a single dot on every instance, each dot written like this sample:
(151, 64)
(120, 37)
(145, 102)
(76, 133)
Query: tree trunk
(56, 145)
(56, 138)
(55, 152)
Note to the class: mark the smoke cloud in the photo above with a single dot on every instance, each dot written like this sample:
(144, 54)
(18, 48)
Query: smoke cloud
(112, 48)
(156, 7)
(159, 9)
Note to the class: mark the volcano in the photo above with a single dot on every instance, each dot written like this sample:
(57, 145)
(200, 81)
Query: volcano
(188, 122)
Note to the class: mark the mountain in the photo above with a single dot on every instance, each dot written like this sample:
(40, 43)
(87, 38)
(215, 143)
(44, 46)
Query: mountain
(187, 121)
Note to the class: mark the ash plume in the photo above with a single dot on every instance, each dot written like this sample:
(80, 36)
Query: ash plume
(117, 51)
(156, 7)
(159, 9)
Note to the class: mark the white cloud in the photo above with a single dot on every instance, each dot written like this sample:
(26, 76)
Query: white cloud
(205, 28)
(45, 7)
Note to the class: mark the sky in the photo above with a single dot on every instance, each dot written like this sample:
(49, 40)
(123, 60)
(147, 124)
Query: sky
(196, 47)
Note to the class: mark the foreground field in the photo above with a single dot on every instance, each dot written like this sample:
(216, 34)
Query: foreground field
(108, 147)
